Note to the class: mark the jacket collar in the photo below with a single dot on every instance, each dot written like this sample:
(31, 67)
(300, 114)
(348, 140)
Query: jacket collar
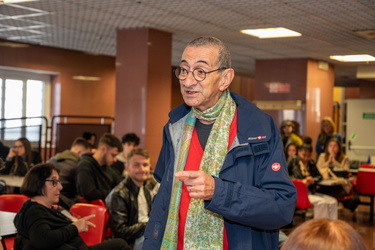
(254, 126)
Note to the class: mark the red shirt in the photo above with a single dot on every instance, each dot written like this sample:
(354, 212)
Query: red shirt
(193, 161)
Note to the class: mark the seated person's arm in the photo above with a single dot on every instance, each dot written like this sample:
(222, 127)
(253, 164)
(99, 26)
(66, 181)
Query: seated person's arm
(43, 237)
(7, 166)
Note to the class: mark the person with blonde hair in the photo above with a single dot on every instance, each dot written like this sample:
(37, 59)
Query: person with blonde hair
(288, 134)
(327, 131)
(321, 234)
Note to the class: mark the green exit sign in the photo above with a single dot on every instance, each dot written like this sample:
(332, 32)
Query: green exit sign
(368, 115)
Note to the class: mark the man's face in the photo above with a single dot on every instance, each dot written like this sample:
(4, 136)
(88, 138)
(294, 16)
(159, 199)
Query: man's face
(204, 94)
(110, 155)
(138, 169)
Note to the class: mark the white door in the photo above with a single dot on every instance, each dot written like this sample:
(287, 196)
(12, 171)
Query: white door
(360, 129)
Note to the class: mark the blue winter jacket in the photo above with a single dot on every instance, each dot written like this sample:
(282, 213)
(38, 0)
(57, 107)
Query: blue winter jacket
(253, 191)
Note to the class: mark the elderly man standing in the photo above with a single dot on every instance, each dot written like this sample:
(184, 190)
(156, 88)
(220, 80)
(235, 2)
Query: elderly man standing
(224, 180)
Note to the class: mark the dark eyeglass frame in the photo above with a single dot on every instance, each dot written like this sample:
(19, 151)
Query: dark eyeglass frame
(54, 182)
(178, 70)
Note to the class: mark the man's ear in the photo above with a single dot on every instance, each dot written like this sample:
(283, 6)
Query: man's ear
(103, 149)
(226, 79)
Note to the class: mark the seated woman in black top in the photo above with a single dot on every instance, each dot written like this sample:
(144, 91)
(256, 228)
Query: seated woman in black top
(21, 158)
(40, 226)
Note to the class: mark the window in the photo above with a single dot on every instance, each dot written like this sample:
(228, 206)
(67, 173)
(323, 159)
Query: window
(22, 96)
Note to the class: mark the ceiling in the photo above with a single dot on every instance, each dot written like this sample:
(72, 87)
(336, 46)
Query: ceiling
(328, 27)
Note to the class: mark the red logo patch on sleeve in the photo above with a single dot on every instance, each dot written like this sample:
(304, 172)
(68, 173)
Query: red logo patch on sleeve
(276, 166)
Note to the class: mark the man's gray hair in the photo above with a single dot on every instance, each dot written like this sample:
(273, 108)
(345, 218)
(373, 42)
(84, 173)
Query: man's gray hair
(224, 59)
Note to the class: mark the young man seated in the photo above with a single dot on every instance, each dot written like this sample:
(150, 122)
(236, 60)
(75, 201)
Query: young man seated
(129, 203)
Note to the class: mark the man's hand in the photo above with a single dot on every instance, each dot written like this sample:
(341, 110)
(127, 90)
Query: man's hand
(199, 184)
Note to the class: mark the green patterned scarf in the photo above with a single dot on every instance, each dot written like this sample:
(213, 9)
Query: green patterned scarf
(204, 229)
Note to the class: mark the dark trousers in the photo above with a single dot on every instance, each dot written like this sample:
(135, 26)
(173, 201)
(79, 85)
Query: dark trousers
(112, 244)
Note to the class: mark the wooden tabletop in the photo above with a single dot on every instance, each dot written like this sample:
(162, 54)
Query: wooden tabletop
(12, 180)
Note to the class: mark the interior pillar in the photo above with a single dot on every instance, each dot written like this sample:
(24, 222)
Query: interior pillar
(143, 85)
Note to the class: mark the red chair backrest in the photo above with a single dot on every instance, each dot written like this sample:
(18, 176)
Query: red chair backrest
(302, 195)
(94, 235)
(12, 202)
(101, 203)
(98, 202)
(367, 165)
(366, 181)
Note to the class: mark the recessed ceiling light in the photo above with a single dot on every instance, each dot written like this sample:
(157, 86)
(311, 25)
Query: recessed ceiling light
(271, 32)
(353, 58)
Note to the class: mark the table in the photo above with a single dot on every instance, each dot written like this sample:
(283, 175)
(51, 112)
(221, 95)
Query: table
(12, 180)
(7, 228)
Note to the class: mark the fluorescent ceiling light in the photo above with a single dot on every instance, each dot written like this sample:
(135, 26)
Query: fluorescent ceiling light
(271, 32)
(353, 58)
(16, 1)
(13, 45)
(86, 78)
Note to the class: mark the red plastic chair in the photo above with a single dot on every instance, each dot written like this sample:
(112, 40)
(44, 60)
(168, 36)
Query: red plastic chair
(98, 202)
(366, 186)
(303, 202)
(367, 165)
(101, 203)
(11, 203)
(94, 235)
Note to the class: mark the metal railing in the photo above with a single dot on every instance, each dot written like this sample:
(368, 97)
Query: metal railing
(46, 136)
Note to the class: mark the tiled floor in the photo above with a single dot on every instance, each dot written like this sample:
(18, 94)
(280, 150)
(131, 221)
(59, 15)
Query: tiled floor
(359, 220)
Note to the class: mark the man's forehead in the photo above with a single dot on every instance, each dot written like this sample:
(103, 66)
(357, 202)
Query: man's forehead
(200, 55)
(137, 157)
(113, 150)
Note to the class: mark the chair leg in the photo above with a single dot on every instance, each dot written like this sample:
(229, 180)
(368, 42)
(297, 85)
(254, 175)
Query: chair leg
(371, 208)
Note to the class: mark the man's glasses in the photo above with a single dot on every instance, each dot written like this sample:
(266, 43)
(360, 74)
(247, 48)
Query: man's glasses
(54, 182)
(198, 73)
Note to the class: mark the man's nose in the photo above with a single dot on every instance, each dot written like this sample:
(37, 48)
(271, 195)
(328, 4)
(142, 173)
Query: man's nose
(189, 81)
